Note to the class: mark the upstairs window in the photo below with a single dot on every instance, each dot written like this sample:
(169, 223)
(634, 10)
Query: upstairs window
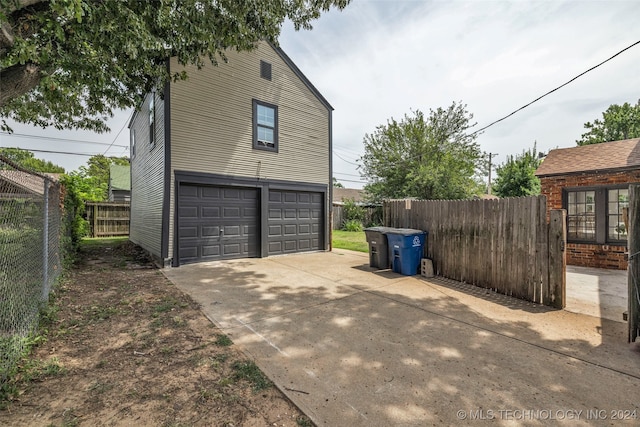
(265, 126)
(133, 143)
(152, 120)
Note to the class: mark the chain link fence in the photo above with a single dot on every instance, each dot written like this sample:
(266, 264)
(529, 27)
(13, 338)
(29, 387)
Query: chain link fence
(31, 217)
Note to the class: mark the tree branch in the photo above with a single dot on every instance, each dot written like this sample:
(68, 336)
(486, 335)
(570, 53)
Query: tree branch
(18, 80)
(21, 4)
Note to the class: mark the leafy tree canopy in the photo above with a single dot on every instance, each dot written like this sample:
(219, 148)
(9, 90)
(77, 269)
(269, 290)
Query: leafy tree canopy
(516, 177)
(91, 182)
(337, 183)
(618, 122)
(70, 63)
(26, 159)
(427, 157)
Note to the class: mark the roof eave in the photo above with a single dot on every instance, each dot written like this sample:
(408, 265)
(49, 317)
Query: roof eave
(592, 171)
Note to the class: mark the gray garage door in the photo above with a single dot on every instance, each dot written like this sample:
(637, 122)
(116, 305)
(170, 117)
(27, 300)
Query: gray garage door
(217, 223)
(295, 221)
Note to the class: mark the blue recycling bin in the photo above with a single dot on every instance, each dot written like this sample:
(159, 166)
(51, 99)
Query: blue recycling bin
(406, 247)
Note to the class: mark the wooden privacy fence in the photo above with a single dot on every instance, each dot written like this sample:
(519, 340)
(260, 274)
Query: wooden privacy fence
(108, 219)
(505, 244)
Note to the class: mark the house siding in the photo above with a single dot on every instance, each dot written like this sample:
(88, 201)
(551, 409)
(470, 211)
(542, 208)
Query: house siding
(147, 179)
(589, 254)
(212, 126)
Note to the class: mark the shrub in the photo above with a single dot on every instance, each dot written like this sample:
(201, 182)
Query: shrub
(353, 212)
(352, 225)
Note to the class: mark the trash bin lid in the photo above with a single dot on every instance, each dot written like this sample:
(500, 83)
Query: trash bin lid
(405, 231)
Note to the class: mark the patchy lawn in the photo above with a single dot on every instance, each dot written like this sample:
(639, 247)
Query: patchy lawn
(126, 347)
(352, 240)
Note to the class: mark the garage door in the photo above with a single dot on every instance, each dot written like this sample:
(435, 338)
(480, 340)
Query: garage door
(217, 223)
(295, 221)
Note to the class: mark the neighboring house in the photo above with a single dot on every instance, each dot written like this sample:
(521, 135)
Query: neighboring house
(234, 162)
(18, 184)
(592, 183)
(119, 183)
(342, 194)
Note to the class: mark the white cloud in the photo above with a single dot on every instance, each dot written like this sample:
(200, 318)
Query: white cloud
(378, 59)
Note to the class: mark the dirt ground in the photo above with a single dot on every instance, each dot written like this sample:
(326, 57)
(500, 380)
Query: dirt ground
(129, 348)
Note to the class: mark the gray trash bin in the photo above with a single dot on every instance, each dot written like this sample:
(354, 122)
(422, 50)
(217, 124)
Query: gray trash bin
(378, 249)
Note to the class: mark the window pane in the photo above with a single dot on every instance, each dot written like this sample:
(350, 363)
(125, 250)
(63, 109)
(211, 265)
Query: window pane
(581, 218)
(590, 196)
(618, 199)
(265, 136)
(266, 116)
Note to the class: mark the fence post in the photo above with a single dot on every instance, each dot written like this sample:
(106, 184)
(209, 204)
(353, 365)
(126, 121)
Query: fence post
(557, 258)
(45, 243)
(633, 280)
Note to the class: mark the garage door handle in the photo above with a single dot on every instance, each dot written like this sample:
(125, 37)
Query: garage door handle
(221, 233)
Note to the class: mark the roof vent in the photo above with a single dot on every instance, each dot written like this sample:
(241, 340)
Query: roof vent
(265, 70)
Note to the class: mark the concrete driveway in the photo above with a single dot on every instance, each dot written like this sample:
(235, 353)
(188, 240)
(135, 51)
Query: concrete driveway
(597, 292)
(352, 346)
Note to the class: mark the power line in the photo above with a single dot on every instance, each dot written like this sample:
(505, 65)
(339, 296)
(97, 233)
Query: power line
(77, 141)
(56, 152)
(559, 87)
(348, 174)
(119, 132)
(342, 158)
(349, 180)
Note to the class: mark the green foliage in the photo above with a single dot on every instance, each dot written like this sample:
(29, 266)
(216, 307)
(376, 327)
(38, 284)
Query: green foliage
(26, 159)
(516, 177)
(86, 59)
(336, 183)
(618, 122)
(352, 225)
(352, 211)
(248, 370)
(354, 215)
(430, 157)
(88, 184)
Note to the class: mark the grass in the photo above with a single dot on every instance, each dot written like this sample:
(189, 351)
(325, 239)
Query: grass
(249, 371)
(352, 240)
(103, 241)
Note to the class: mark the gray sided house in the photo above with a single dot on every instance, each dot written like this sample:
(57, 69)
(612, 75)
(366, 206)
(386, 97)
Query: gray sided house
(234, 162)
(119, 183)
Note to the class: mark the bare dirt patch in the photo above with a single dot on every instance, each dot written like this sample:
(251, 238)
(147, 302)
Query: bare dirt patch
(129, 348)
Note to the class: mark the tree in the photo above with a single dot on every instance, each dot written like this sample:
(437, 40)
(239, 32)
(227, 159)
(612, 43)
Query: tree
(25, 159)
(618, 122)
(71, 63)
(92, 181)
(336, 183)
(430, 157)
(516, 177)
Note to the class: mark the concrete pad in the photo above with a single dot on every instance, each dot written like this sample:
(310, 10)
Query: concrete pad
(352, 346)
(597, 292)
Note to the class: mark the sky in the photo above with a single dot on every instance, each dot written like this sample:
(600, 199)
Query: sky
(379, 59)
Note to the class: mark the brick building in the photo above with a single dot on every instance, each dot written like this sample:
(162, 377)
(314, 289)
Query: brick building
(592, 183)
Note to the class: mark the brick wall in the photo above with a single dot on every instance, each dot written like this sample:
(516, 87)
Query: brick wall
(588, 255)
(597, 256)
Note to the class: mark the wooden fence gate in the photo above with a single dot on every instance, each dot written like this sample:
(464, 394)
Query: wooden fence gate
(507, 245)
(108, 219)
(633, 272)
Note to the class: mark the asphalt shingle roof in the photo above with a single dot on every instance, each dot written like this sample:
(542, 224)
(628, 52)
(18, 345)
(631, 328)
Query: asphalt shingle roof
(605, 156)
(120, 177)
